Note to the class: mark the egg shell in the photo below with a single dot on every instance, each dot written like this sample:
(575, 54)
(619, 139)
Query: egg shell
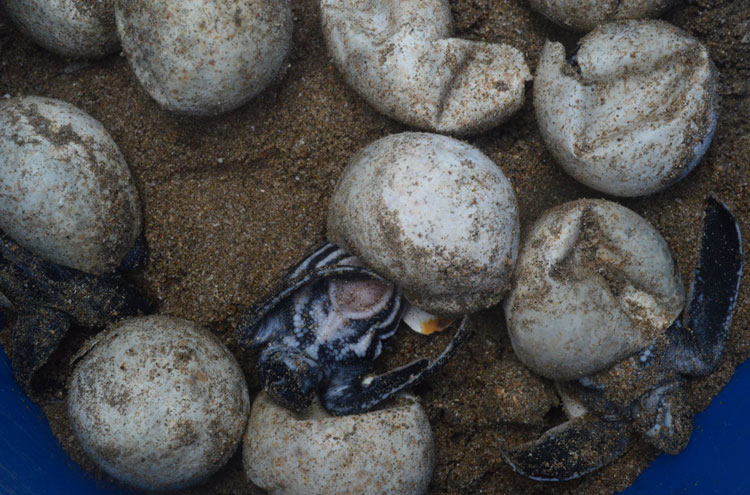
(71, 28)
(204, 57)
(585, 15)
(432, 214)
(387, 451)
(400, 57)
(66, 192)
(594, 283)
(158, 402)
(639, 115)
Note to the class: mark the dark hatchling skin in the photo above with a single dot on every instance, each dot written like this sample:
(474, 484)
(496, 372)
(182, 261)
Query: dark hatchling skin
(645, 394)
(323, 328)
(48, 299)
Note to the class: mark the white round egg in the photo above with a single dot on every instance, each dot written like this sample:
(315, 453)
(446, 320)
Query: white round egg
(585, 15)
(202, 57)
(634, 112)
(433, 215)
(158, 402)
(399, 56)
(78, 29)
(389, 450)
(593, 284)
(66, 192)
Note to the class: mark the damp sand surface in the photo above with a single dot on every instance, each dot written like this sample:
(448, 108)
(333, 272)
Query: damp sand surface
(230, 202)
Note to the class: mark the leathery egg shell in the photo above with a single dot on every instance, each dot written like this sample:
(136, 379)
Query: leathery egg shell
(585, 15)
(636, 110)
(202, 57)
(66, 192)
(399, 55)
(433, 215)
(593, 284)
(79, 29)
(384, 451)
(158, 402)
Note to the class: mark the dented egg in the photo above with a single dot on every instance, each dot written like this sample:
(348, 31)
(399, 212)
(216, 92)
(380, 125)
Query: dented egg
(594, 283)
(585, 15)
(633, 112)
(401, 57)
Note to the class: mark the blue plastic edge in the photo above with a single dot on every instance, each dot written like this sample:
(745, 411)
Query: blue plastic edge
(717, 459)
(32, 462)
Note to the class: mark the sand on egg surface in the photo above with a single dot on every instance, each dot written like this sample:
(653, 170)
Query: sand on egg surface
(230, 202)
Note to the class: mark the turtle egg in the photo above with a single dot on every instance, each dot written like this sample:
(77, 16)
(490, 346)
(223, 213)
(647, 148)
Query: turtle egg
(66, 192)
(635, 110)
(389, 450)
(158, 402)
(202, 57)
(79, 29)
(399, 55)
(585, 15)
(432, 214)
(594, 283)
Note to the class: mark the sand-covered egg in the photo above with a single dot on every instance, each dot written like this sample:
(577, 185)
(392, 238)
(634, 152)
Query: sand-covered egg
(204, 57)
(79, 29)
(389, 450)
(594, 283)
(400, 56)
(66, 192)
(432, 214)
(585, 15)
(158, 402)
(634, 110)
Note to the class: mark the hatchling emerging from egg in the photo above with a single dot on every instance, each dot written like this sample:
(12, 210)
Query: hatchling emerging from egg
(322, 330)
(611, 400)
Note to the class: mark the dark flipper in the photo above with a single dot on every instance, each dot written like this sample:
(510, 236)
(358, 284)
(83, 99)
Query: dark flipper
(575, 448)
(47, 298)
(251, 331)
(30, 282)
(290, 376)
(346, 393)
(697, 344)
(35, 337)
(136, 257)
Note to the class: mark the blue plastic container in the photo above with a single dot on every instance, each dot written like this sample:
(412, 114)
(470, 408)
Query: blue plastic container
(718, 457)
(716, 461)
(31, 460)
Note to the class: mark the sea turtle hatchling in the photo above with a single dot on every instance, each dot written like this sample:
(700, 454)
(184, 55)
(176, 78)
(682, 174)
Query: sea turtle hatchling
(323, 329)
(47, 298)
(643, 393)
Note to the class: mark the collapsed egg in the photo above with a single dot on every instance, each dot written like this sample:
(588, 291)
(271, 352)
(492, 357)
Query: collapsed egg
(158, 402)
(634, 112)
(66, 192)
(585, 15)
(399, 55)
(79, 29)
(384, 451)
(204, 57)
(594, 283)
(432, 214)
